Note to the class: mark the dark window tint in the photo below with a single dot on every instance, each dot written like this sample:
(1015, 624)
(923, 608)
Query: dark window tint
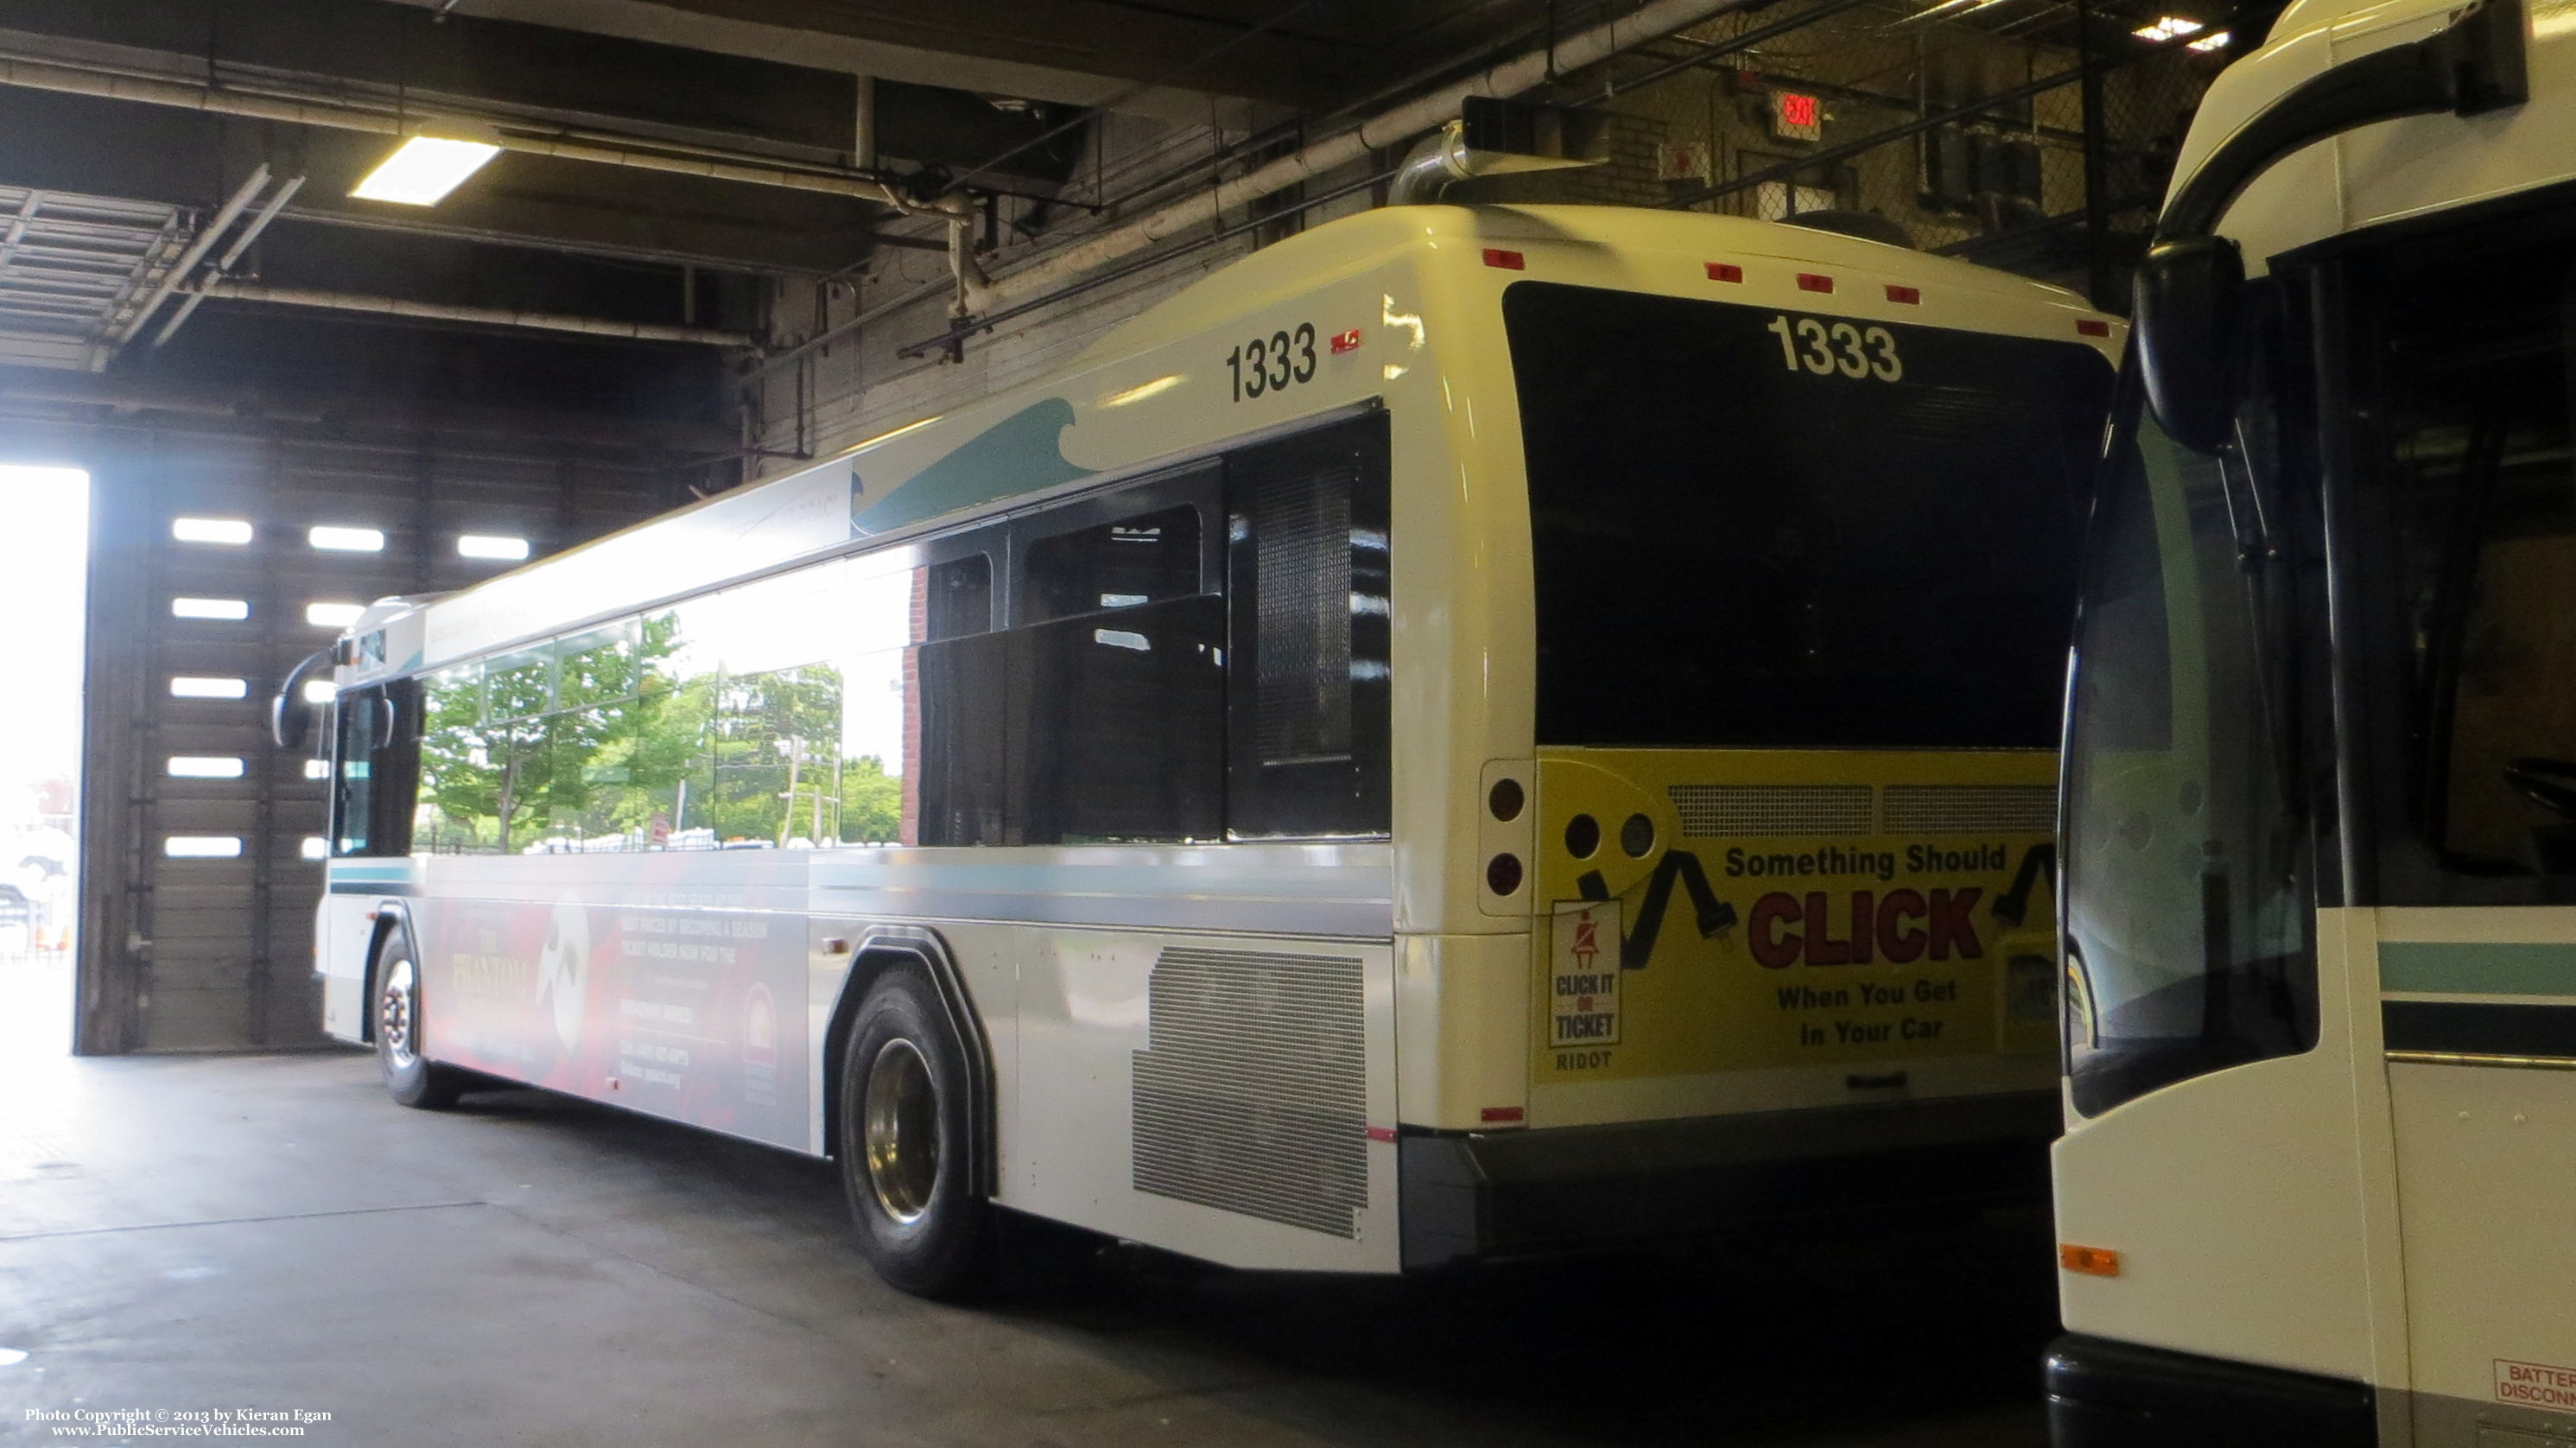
(376, 751)
(1756, 528)
(2459, 355)
(1307, 690)
(960, 597)
(1119, 564)
(1100, 715)
(2189, 760)
(1118, 723)
(963, 762)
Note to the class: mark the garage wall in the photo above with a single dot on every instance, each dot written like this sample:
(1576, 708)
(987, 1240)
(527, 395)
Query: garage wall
(215, 952)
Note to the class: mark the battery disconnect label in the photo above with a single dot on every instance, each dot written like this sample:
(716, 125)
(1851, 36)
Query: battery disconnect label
(2535, 1385)
(1583, 975)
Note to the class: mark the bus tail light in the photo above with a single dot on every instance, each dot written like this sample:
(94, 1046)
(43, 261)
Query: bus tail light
(1910, 296)
(1725, 271)
(1507, 260)
(2091, 1261)
(2092, 327)
(1815, 282)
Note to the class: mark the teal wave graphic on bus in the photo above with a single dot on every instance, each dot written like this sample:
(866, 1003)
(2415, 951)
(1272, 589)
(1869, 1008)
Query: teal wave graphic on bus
(1020, 454)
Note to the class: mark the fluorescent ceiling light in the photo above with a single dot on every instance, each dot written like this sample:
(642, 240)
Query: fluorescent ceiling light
(2166, 28)
(320, 691)
(347, 540)
(232, 531)
(486, 545)
(314, 848)
(424, 170)
(229, 610)
(198, 686)
(2208, 43)
(332, 615)
(202, 847)
(205, 766)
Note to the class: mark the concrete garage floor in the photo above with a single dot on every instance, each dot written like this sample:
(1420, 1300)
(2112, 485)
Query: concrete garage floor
(269, 1232)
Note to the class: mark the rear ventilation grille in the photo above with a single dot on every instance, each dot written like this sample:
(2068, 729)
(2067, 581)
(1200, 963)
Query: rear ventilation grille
(1971, 809)
(1715, 811)
(1252, 1097)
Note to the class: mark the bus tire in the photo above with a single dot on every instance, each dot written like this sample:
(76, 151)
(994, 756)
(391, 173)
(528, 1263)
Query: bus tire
(907, 1143)
(410, 1078)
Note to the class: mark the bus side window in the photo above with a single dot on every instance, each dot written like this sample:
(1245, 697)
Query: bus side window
(1307, 676)
(953, 791)
(1115, 694)
(957, 598)
(1125, 562)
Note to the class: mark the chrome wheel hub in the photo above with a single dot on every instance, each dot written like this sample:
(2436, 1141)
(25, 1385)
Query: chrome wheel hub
(397, 1008)
(901, 1131)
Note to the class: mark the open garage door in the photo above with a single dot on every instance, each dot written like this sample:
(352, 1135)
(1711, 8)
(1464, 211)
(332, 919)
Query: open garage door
(216, 564)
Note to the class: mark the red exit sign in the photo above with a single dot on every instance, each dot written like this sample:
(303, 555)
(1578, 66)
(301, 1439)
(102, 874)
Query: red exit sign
(1797, 117)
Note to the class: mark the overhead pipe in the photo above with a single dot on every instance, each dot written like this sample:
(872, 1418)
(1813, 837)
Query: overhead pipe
(226, 289)
(38, 73)
(207, 236)
(224, 264)
(957, 212)
(1601, 42)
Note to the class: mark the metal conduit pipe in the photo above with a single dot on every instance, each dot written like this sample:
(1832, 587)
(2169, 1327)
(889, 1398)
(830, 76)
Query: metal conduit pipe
(207, 236)
(31, 73)
(487, 316)
(1656, 19)
(958, 212)
(224, 264)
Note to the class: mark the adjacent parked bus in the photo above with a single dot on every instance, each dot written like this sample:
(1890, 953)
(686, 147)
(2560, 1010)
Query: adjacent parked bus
(1469, 732)
(2321, 767)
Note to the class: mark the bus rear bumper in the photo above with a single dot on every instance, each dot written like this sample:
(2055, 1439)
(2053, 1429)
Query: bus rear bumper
(1469, 1196)
(2104, 1394)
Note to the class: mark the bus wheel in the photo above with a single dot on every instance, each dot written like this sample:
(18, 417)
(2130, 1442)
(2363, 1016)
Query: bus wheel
(907, 1145)
(413, 1080)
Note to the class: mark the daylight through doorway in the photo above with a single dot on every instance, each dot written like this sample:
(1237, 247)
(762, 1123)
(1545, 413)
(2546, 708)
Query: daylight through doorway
(44, 564)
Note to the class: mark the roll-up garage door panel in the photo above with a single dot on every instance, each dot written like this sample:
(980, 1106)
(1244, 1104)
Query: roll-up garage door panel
(218, 953)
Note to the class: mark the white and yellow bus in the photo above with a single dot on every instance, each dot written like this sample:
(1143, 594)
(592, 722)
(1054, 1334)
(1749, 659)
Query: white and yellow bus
(1473, 731)
(2320, 841)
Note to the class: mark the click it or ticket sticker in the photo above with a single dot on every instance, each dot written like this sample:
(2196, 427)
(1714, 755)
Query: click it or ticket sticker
(1583, 975)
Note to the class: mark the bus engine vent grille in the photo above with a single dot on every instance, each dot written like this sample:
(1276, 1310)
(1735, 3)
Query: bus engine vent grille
(1715, 811)
(1971, 809)
(1252, 1096)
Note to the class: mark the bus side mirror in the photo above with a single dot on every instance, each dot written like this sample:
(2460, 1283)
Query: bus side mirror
(290, 719)
(2189, 292)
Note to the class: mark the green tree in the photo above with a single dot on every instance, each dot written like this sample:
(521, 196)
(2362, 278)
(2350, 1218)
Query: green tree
(871, 802)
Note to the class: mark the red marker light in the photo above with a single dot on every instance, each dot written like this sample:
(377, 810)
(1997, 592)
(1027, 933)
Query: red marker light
(1910, 296)
(1496, 1114)
(2092, 328)
(1346, 341)
(1507, 260)
(1725, 271)
(1812, 282)
(1381, 1133)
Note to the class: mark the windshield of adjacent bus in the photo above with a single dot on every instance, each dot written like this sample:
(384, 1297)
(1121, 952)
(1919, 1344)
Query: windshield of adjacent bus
(2190, 741)
(1763, 528)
